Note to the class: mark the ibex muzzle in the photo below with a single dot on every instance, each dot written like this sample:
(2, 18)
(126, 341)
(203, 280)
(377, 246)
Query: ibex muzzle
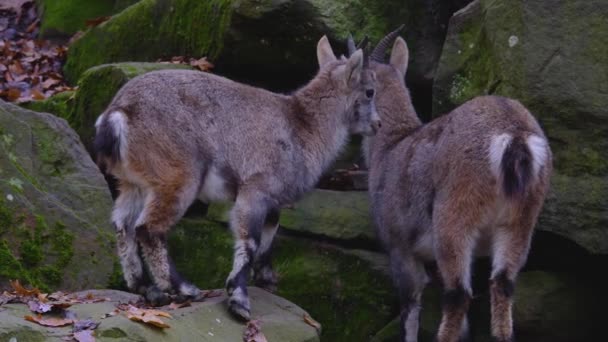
(173, 136)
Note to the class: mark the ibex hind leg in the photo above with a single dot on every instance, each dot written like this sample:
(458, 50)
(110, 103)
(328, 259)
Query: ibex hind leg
(164, 207)
(127, 208)
(247, 221)
(455, 237)
(511, 246)
(410, 278)
(264, 275)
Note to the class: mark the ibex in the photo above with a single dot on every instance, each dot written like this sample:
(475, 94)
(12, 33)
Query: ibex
(172, 136)
(469, 183)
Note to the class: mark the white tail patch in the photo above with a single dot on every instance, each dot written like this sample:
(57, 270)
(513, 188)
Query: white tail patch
(497, 148)
(118, 121)
(538, 148)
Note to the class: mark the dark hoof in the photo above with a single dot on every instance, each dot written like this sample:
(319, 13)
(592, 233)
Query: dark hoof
(238, 305)
(156, 297)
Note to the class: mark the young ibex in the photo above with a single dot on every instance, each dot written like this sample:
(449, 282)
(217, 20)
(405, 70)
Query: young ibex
(172, 136)
(467, 184)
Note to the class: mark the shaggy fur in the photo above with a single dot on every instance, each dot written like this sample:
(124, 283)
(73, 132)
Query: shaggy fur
(471, 182)
(173, 136)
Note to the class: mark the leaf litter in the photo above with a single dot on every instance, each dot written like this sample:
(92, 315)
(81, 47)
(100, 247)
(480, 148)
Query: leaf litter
(30, 68)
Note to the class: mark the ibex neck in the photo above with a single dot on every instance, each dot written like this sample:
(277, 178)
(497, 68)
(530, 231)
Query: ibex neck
(319, 127)
(399, 119)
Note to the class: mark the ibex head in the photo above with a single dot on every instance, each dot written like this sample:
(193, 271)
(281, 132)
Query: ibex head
(353, 80)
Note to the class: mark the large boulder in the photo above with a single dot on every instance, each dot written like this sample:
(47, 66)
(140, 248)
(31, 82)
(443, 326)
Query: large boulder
(54, 205)
(346, 291)
(63, 18)
(280, 320)
(548, 307)
(241, 36)
(533, 51)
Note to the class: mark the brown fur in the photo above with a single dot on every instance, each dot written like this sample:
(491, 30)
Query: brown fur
(471, 182)
(172, 136)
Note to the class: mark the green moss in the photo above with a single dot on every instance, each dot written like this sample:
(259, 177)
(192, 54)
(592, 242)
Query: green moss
(145, 32)
(40, 254)
(65, 17)
(341, 291)
(116, 280)
(59, 104)
(113, 333)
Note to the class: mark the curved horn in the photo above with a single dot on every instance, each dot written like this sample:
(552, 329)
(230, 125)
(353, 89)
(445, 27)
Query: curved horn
(363, 43)
(380, 49)
(351, 44)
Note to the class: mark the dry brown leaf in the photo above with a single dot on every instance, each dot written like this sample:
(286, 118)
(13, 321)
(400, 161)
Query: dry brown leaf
(149, 316)
(96, 21)
(174, 306)
(37, 95)
(49, 322)
(310, 321)
(85, 336)
(253, 332)
(202, 64)
(13, 94)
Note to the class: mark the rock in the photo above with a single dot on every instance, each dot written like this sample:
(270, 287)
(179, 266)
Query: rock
(54, 205)
(96, 88)
(350, 296)
(63, 18)
(548, 307)
(281, 320)
(532, 51)
(340, 215)
(242, 40)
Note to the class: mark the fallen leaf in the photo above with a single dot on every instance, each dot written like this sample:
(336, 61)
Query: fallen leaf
(212, 293)
(149, 316)
(174, 305)
(96, 21)
(13, 94)
(202, 64)
(253, 332)
(37, 95)
(39, 307)
(6, 298)
(85, 336)
(49, 322)
(310, 321)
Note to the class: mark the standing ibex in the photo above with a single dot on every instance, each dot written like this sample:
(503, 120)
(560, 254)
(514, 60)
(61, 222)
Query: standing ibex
(172, 136)
(469, 183)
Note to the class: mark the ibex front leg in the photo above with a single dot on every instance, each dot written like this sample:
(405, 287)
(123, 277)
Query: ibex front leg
(247, 219)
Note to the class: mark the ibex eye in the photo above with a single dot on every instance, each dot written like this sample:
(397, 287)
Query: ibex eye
(369, 93)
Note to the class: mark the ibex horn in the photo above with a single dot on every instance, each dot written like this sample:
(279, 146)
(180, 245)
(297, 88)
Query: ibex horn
(380, 49)
(351, 44)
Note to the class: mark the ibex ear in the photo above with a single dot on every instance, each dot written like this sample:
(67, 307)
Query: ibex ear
(324, 52)
(354, 67)
(400, 55)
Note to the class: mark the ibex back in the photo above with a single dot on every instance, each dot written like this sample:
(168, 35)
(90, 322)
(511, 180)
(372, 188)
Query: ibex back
(173, 136)
(469, 183)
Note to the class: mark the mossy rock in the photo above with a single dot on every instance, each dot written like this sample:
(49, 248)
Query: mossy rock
(54, 205)
(96, 89)
(533, 53)
(60, 104)
(241, 38)
(280, 320)
(547, 307)
(348, 295)
(63, 18)
(338, 215)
